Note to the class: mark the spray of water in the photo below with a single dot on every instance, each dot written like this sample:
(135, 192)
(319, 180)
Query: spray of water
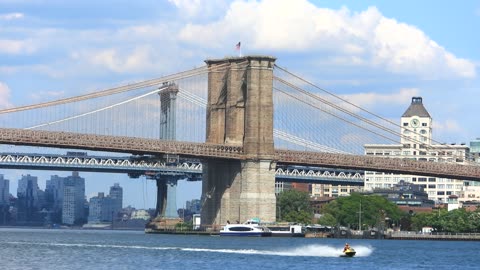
(307, 250)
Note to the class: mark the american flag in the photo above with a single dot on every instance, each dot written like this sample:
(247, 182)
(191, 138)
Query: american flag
(237, 47)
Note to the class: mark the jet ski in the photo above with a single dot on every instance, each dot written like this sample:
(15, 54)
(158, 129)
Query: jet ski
(349, 252)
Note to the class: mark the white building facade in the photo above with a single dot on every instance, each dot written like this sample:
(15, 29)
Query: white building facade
(73, 199)
(416, 144)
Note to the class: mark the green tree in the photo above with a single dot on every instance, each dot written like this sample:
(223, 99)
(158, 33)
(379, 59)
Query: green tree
(375, 210)
(294, 206)
(184, 226)
(455, 221)
(328, 220)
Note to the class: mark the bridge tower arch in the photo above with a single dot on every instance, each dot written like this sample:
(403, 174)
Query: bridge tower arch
(240, 113)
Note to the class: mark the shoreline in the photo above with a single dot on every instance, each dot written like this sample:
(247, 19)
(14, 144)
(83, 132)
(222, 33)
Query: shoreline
(396, 236)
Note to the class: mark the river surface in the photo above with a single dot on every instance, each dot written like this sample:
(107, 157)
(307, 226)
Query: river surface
(84, 249)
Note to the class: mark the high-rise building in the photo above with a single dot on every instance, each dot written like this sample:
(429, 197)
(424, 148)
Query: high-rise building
(28, 199)
(116, 195)
(194, 206)
(54, 192)
(416, 144)
(101, 209)
(4, 190)
(73, 199)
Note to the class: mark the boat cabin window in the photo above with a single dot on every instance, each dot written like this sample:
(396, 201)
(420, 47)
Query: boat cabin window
(240, 229)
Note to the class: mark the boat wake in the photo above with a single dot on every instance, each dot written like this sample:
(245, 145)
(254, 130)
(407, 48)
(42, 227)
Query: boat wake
(321, 251)
(307, 250)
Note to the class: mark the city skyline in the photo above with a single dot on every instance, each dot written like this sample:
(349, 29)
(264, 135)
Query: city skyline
(92, 191)
(376, 54)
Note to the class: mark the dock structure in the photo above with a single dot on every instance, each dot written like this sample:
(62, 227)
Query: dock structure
(433, 236)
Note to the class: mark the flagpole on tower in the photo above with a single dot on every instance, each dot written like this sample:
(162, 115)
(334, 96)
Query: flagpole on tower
(238, 47)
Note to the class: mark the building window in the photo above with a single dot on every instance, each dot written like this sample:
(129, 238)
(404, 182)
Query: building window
(440, 192)
(432, 179)
(424, 124)
(343, 190)
(405, 124)
(441, 186)
(431, 186)
(423, 131)
(422, 179)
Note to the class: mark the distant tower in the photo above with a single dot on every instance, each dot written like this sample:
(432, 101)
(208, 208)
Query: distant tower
(28, 201)
(100, 209)
(416, 125)
(167, 184)
(73, 199)
(4, 190)
(54, 192)
(95, 208)
(116, 195)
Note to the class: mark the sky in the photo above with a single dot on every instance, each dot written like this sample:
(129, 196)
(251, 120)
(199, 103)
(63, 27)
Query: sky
(377, 54)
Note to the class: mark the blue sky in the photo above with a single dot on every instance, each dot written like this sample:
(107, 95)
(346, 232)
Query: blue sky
(378, 54)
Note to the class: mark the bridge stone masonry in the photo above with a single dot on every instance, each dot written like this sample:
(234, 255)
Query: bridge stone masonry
(240, 113)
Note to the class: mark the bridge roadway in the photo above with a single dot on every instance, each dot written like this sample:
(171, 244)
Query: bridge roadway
(203, 150)
(136, 166)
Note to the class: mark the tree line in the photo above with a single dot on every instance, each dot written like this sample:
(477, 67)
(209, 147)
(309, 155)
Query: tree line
(365, 212)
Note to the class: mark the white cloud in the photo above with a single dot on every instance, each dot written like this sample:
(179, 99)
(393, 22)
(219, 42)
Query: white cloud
(405, 49)
(11, 16)
(38, 69)
(10, 46)
(447, 126)
(199, 8)
(118, 60)
(368, 100)
(4, 96)
(365, 38)
(46, 95)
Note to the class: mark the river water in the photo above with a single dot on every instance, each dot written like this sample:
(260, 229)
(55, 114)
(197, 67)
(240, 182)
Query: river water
(84, 249)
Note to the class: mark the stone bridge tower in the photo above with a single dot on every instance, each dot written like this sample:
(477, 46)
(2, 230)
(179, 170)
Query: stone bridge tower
(240, 113)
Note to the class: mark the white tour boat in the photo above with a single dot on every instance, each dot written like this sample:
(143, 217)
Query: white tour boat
(249, 228)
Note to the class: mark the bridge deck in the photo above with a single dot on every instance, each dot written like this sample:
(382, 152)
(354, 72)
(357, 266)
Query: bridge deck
(204, 150)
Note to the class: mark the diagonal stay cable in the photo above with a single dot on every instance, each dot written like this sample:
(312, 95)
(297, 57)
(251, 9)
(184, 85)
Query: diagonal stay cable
(334, 115)
(119, 89)
(352, 104)
(98, 110)
(339, 108)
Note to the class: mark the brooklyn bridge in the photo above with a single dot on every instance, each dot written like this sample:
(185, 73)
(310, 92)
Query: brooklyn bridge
(240, 117)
